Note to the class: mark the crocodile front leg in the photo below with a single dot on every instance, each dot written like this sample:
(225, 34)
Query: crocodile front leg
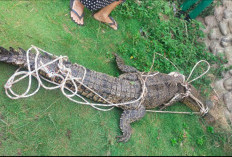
(129, 116)
(124, 68)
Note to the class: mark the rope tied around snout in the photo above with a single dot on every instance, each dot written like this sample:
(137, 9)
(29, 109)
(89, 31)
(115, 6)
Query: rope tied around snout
(203, 109)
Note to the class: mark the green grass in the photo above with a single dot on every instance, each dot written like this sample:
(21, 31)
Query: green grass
(49, 124)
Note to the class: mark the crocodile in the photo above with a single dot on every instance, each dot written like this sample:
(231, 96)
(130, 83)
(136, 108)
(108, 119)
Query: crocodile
(161, 89)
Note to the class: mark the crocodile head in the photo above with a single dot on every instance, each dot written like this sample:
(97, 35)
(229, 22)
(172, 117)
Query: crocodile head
(193, 100)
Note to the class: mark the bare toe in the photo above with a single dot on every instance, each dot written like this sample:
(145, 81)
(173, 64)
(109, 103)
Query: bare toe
(77, 12)
(76, 19)
(107, 20)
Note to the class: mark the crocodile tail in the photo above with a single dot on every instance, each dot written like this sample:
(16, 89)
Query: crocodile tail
(12, 56)
(4, 54)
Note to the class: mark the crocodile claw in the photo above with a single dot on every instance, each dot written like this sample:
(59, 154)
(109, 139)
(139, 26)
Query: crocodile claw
(128, 117)
(123, 138)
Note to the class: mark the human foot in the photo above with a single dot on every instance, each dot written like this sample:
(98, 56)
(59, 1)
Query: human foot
(107, 20)
(77, 12)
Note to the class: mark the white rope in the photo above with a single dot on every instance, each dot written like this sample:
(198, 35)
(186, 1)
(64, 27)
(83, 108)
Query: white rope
(195, 68)
(173, 112)
(203, 109)
(66, 75)
(168, 60)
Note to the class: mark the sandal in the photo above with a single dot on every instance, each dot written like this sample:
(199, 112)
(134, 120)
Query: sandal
(79, 16)
(113, 22)
(109, 24)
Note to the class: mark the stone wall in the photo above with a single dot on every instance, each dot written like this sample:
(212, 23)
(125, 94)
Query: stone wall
(219, 42)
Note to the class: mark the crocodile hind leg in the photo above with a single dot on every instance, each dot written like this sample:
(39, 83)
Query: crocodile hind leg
(124, 68)
(129, 116)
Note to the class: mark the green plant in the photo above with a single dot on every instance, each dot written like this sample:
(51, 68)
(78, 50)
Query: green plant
(185, 126)
(174, 142)
(210, 129)
(167, 35)
(200, 141)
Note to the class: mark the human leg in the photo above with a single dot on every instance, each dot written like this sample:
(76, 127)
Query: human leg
(77, 11)
(103, 14)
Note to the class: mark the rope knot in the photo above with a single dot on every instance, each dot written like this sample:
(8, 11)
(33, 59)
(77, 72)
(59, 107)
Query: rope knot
(8, 85)
(204, 111)
(62, 68)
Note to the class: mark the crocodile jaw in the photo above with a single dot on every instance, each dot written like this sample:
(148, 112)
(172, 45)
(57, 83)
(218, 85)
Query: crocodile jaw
(191, 103)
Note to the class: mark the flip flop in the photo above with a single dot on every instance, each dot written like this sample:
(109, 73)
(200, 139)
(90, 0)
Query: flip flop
(79, 16)
(113, 22)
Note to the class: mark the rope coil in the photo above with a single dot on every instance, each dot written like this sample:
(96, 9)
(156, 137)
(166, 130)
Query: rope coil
(66, 75)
